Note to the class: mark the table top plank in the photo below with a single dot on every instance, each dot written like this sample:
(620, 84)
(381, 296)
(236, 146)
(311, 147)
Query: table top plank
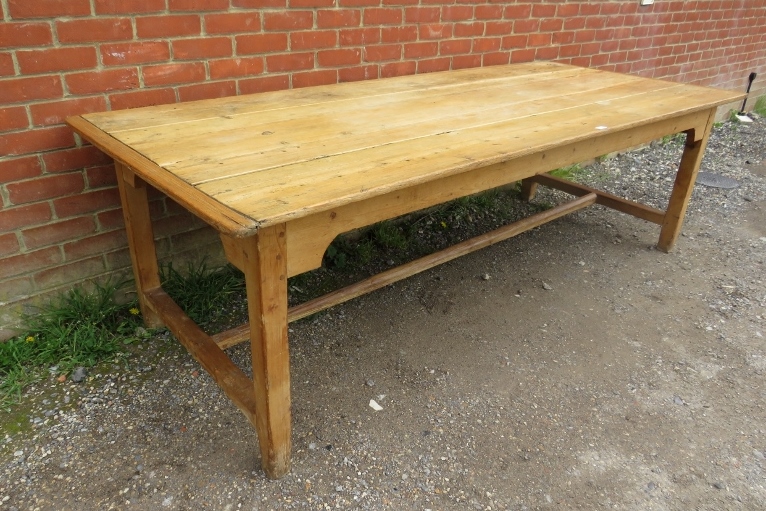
(278, 156)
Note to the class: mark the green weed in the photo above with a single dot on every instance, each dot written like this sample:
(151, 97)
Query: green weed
(78, 329)
(760, 106)
(570, 173)
(202, 291)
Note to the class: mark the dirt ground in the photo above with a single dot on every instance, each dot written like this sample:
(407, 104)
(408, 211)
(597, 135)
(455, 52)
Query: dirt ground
(572, 367)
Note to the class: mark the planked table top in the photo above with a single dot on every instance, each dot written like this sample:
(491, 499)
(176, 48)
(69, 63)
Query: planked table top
(250, 161)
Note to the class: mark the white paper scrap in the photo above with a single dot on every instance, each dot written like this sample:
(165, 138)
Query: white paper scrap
(375, 406)
(744, 118)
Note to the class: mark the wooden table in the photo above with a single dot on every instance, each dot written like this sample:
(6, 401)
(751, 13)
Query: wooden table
(280, 174)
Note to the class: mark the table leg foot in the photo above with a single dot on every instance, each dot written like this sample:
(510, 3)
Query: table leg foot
(528, 189)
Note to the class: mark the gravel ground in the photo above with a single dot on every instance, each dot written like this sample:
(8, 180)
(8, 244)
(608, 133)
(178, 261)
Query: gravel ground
(572, 367)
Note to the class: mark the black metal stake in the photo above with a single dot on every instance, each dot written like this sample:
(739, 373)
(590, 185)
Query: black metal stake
(750, 79)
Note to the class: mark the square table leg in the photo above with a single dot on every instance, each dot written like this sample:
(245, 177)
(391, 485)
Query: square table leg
(265, 267)
(138, 226)
(694, 149)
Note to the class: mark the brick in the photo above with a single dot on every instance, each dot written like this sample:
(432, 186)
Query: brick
(129, 6)
(383, 16)
(406, 33)
(494, 59)
(201, 48)
(339, 57)
(567, 10)
(232, 22)
(577, 23)
(488, 12)
(410, 2)
(149, 27)
(289, 62)
(24, 34)
(93, 82)
(311, 3)
(511, 42)
(139, 98)
(392, 69)
(473, 29)
(30, 88)
(534, 40)
(44, 188)
(499, 28)
(517, 12)
(543, 11)
(15, 169)
(337, 18)
(382, 52)
(14, 218)
(454, 46)
(51, 234)
(314, 78)
(93, 245)
(45, 114)
(526, 26)
(74, 158)
(355, 74)
(94, 30)
(13, 118)
(198, 5)
(456, 13)
(32, 141)
(358, 36)
(237, 67)
(48, 8)
(120, 54)
(288, 20)
(32, 261)
(261, 43)
(465, 61)
(569, 50)
(359, 3)
(264, 84)
(114, 219)
(6, 65)
(72, 272)
(420, 50)
(258, 4)
(422, 14)
(433, 65)
(9, 244)
(551, 25)
(101, 176)
(207, 90)
(486, 44)
(165, 74)
(434, 31)
(548, 53)
(313, 39)
(56, 59)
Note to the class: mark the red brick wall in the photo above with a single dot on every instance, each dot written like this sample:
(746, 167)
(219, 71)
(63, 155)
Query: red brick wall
(59, 215)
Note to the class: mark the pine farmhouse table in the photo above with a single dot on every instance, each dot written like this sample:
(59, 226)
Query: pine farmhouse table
(280, 174)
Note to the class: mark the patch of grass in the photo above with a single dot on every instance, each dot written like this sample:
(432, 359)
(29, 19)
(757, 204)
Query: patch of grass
(388, 235)
(78, 329)
(202, 291)
(570, 173)
(760, 106)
